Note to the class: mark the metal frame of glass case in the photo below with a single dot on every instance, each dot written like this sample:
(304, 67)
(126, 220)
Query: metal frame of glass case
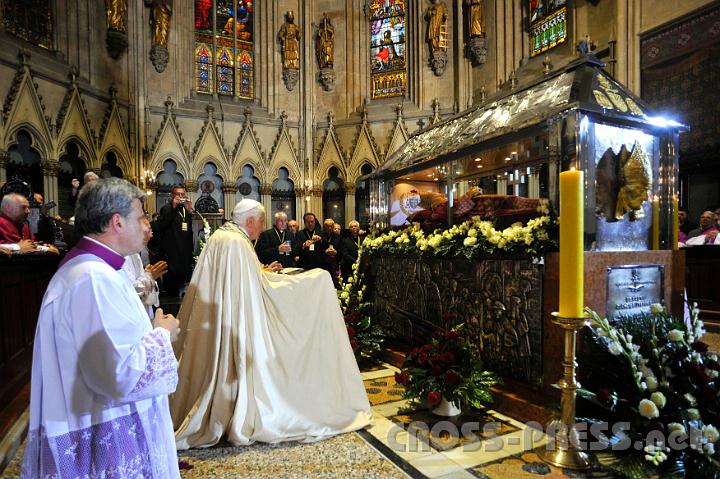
(519, 142)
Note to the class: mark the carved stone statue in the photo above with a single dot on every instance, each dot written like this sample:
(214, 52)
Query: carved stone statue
(160, 13)
(477, 18)
(289, 36)
(324, 51)
(116, 10)
(437, 35)
(437, 26)
(115, 13)
(476, 30)
(325, 43)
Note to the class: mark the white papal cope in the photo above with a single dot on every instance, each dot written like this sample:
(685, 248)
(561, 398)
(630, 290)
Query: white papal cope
(264, 357)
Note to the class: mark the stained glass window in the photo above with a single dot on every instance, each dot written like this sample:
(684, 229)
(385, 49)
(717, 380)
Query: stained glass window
(224, 47)
(30, 20)
(387, 48)
(548, 24)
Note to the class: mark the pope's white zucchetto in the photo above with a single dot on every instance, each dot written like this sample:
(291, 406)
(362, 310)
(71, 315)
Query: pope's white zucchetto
(245, 206)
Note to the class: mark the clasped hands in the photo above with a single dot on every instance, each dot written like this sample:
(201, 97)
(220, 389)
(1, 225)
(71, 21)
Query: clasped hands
(284, 248)
(157, 270)
(30, 246)
(314, 239)
(167, 321)
(273, 267)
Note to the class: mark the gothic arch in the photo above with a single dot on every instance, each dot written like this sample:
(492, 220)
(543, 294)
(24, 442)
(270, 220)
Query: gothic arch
(73, 124)
(24, 110)
(37, 141)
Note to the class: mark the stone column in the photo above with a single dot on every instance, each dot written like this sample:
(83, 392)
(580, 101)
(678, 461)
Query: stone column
(151, 199)
(301, 205)
(50, 169)
(316, 203)
(349, 204)
(191, 186)
(266, 200)
(229, 190)
(4, 157)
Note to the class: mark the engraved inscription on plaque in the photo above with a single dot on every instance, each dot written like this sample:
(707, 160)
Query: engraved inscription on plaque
(632, 289)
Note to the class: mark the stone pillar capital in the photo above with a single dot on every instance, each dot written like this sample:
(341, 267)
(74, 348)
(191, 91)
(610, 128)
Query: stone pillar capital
(50, 167)
(191, 185)
(349, 190)
(316, 192)
(229, 187)
(265, 189)
(4, 158)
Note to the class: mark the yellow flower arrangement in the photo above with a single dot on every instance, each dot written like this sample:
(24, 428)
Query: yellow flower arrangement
(470, 238)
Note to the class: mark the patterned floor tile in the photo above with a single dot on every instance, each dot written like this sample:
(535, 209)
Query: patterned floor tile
(452, 433)
(383, 390)
(528, 465)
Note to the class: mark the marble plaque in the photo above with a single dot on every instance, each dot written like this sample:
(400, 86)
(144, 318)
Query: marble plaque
(632, 289)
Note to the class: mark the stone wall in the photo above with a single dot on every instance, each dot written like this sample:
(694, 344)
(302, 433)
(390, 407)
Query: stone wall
(124, 105)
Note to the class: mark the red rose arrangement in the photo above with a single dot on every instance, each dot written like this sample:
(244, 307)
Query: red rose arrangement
(446, 368)
(365, 336)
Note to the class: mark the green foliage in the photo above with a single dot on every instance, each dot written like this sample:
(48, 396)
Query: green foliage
(366, 337)
(446, 367)
(655, 373)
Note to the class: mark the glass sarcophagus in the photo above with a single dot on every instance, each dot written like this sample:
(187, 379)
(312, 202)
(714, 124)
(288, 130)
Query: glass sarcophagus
(499, 161)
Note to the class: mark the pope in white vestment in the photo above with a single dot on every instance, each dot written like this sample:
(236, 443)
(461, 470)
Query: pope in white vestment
(266, 356)
(101, 373)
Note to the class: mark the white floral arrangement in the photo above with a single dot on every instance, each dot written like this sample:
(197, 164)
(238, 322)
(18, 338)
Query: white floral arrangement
(469, 238)
(204, 236)
(673, 397)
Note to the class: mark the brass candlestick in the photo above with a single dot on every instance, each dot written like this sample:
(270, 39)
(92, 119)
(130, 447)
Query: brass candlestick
(562, 450)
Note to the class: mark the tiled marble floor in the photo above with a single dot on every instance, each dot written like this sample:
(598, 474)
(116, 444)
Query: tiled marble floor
(501, 450)
(404, 441)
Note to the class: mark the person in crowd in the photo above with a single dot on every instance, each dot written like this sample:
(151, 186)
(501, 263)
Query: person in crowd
(311, 253)
(88, 178)
(175, 240)
(350, 247)
(276, 244)
(144, 277)
(707, 231)
(251, 367)
(45, 224)
(15, 232)
(293, 231)
(686, 226)
(293, 227)
(331, 247)
(101, 372)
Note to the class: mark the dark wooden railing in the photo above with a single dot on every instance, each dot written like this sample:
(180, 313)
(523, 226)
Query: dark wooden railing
(702, 277)
(23, 280)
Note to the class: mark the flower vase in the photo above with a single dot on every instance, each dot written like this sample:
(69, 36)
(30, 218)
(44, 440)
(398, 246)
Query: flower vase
(447, 408)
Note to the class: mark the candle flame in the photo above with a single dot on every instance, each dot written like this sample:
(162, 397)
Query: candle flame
(572, 168)
(655, 198)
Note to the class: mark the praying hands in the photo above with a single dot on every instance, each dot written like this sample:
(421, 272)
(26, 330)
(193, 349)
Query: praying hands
(273, 267)
(157, 270)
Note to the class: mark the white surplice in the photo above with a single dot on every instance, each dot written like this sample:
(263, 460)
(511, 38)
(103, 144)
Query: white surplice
(266, 357)
(100, 379)
(143, 282)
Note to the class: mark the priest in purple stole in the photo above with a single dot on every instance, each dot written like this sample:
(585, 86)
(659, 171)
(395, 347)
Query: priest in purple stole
(101, 372)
